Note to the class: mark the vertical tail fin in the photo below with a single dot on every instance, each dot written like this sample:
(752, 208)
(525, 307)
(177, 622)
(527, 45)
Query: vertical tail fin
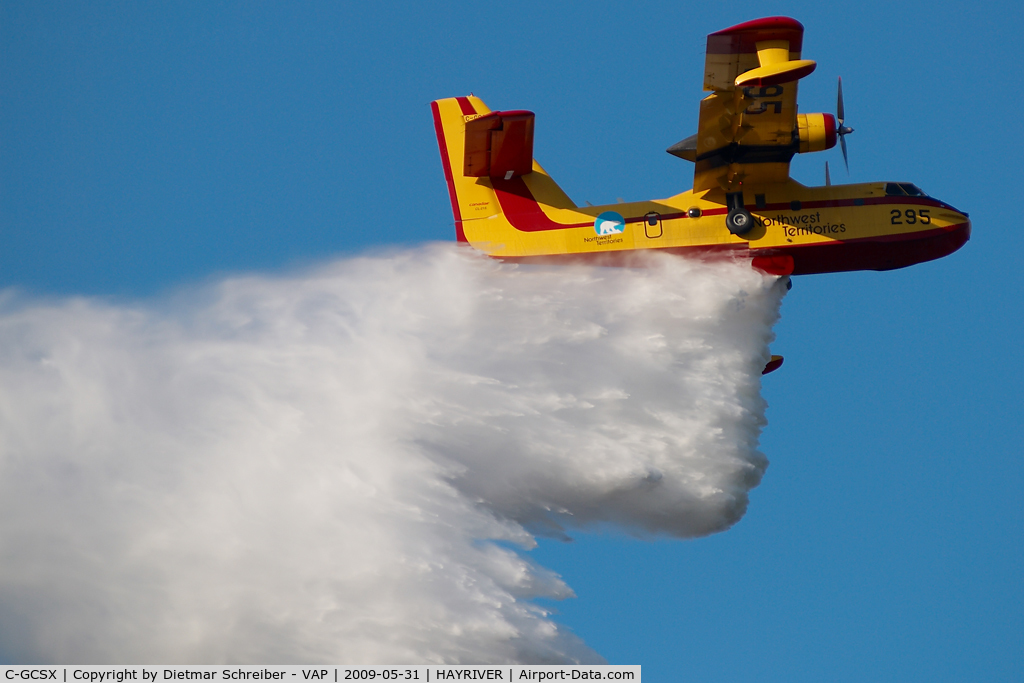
(469, 198)
(492, 149)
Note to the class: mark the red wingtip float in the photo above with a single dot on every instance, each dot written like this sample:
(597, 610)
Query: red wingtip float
(774, 364)
(743, 202)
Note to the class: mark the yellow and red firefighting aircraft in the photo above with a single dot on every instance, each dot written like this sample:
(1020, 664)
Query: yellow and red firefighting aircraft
(743, 201)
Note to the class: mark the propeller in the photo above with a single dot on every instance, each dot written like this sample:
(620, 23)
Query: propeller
(828, 178)
(843, 130)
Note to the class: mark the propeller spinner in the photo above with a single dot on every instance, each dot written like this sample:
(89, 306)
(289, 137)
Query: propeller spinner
(842, 130)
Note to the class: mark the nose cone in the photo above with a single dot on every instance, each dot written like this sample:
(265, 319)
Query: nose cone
(960, 222)
(967, 226)
(955, 235)
(947, 231)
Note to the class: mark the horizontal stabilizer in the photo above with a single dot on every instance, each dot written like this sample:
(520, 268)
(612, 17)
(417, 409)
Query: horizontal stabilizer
(499, 145)
(774, 74)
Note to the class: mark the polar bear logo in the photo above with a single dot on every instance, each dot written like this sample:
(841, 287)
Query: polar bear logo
(609, 223)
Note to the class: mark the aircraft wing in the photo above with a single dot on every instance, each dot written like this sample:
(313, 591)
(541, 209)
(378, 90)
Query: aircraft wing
(747, 132)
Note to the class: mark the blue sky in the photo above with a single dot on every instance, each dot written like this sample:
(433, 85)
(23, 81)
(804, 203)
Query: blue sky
(143, 147)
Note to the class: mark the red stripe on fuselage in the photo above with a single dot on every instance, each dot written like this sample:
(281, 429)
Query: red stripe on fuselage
(521, 208)
(863, 201)
(524, 213)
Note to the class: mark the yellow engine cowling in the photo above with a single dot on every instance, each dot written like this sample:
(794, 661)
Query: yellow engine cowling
(817, 132)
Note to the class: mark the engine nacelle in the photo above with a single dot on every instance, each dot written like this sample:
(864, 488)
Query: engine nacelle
(817, 132)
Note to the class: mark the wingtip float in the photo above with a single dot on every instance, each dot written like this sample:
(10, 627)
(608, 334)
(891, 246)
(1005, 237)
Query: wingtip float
(774, 364)
(743, 201)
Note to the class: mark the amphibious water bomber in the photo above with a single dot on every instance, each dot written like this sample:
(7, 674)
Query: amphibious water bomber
(743, 202)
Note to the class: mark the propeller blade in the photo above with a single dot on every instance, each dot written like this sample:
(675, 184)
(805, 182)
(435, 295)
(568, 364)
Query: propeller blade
(842, 131)
(828, 178)
(840, 110)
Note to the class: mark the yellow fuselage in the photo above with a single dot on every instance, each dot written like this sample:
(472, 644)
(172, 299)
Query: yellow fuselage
(797, 229)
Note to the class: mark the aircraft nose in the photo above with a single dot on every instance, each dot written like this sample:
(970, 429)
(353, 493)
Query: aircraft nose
(960, 230)
(963, 219)
(959, 219)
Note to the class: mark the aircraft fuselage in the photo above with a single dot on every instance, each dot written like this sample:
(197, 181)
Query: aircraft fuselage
(820, 229)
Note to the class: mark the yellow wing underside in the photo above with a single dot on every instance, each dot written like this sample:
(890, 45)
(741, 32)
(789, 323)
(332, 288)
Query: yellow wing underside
(747, 131)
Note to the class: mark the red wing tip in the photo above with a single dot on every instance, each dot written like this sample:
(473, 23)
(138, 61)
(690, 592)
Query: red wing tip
(767, 23)
(774, 364)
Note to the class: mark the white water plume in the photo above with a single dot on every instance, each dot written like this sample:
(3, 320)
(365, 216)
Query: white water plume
(317, 467)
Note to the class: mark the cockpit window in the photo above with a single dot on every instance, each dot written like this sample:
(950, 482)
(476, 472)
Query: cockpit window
(903, 190)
